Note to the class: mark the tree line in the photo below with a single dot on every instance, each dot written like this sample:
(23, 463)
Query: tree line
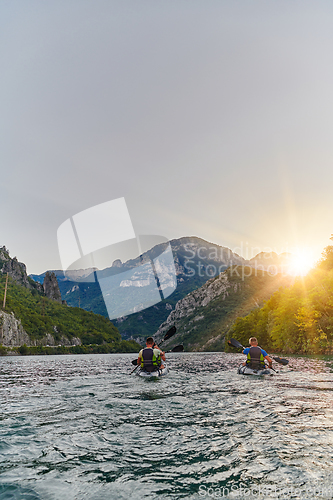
(298, 318)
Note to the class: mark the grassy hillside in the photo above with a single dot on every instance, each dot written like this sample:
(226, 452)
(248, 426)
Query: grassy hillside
(298, 319)
(40, 316)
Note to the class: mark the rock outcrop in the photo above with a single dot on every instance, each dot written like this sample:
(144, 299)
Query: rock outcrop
(12, 334)
(16, 270)
(204, 316)
(117, 263)
(199, 298)
(51, 287)
(11, 331)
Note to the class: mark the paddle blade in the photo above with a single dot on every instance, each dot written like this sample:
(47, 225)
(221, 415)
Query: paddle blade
(178, 348)
(137, 366)
(170, 333)
(235, 343)
(134, 362)
(282, 361)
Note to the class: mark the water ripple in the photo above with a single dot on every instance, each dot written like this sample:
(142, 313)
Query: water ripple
(80, 427)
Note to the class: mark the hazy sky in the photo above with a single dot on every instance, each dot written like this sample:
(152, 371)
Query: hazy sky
(212, 118)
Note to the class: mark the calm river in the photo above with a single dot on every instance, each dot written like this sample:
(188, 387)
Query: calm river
(80, 427)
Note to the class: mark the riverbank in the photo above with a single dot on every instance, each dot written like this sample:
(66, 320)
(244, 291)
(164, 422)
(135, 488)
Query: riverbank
(124, 346)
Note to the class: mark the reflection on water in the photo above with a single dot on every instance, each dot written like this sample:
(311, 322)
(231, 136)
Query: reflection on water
(80, 427)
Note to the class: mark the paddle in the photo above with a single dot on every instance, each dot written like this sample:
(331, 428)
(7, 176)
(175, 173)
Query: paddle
(235, 343)
(137, 366)
(282, 361)
(238, 345)
(170, 333)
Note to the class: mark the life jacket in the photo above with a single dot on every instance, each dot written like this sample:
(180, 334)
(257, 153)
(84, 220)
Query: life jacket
(150, 362)
(255, 358)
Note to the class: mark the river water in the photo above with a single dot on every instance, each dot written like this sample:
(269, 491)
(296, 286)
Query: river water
(81, 427)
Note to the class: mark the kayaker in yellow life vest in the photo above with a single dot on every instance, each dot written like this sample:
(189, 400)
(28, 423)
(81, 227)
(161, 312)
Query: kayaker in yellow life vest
(150, 358)
(256, 356)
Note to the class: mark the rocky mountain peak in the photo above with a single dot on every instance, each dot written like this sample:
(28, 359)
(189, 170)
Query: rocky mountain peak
(4, 253)
(15, 269)
(117, 263)
(51, 287)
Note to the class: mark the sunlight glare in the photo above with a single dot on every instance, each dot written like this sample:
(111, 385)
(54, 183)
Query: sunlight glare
(301, 263)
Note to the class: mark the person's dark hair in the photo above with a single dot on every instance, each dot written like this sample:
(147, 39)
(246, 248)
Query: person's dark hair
(150, 340)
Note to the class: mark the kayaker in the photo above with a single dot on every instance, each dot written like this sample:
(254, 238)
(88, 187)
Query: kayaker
(256, 355)
(150, 358)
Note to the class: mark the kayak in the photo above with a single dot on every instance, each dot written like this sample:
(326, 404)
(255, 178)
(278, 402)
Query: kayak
(154, 374)
(246, 370)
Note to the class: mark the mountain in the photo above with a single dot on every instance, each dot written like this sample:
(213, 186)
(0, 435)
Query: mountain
(194, 262)
(204, 317)
(272, 262)
(30, 317)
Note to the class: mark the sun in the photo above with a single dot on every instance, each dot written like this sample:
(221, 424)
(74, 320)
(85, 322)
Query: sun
(301, 263)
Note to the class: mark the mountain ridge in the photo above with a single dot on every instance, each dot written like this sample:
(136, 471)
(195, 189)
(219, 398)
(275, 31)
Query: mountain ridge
(195, 260)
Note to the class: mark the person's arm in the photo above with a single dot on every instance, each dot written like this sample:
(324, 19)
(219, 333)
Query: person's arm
(162, 352)
(139, 358)
(270, 362)
(264, 353)
(245, 351)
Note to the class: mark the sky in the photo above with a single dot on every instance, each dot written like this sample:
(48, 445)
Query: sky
(211, 118)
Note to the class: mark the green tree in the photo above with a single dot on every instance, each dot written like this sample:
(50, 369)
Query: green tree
(23, 349)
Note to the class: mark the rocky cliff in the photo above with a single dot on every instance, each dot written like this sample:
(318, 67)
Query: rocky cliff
(190, 308)
(37, 319)
(204, 316)
(12, 334)
(51, 287)
(16, 270)
(11, 331)
(199, 298)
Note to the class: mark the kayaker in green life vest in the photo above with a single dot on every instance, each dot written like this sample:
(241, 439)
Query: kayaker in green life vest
(150, 358)
(256, 356)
